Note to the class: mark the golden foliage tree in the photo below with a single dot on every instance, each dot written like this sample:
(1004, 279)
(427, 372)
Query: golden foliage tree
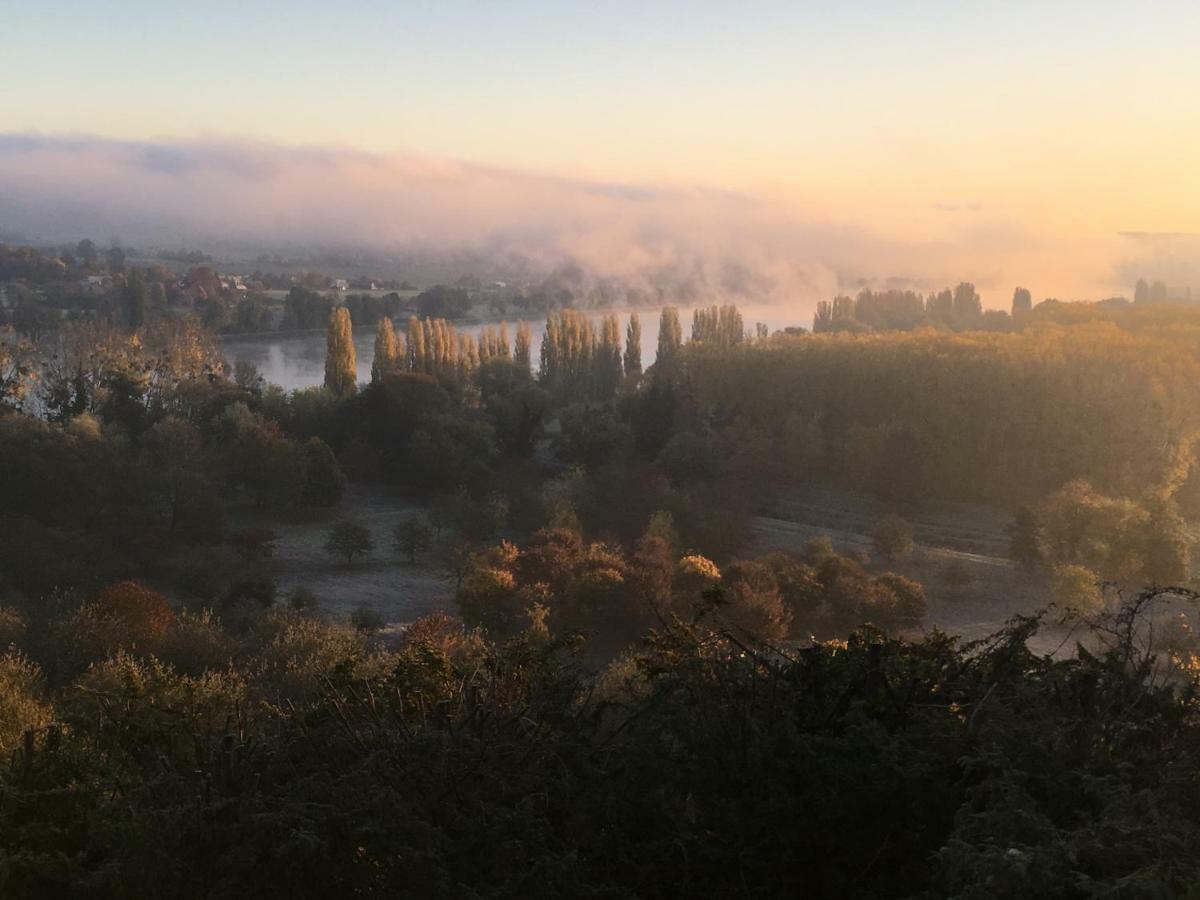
(388, 350)
(341, 365)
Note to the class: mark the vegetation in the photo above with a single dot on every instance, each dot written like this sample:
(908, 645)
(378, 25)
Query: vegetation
(340, 365)
(349, 539)
(638, 699)
(389, 350)
(310, 759)
(898, 412)
(413, 536)
(892, 537)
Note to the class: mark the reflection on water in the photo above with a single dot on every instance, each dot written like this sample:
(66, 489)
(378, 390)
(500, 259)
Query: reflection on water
(298, 361)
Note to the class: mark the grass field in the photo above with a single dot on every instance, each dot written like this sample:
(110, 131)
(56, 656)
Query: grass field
(383, 581)
(971, 540)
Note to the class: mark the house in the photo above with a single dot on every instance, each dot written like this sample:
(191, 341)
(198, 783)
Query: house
(95, 284)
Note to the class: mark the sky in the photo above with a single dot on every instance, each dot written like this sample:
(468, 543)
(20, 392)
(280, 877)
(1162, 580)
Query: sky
(1019, 140)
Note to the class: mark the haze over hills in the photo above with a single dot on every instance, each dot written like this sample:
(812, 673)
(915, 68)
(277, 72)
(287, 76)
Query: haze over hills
(239, 199)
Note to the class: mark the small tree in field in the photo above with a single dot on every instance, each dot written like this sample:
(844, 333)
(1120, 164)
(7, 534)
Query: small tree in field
(1024, 539)
(349, 539)
(413, 536)
(892, 537)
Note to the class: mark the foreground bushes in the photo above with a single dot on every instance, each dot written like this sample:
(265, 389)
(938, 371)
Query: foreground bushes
(316, 763)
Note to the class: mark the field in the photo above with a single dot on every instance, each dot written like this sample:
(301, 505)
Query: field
(383, 581)
(964, 541)
(967, 540)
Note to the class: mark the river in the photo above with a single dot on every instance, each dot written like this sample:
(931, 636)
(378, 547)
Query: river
(295, 361)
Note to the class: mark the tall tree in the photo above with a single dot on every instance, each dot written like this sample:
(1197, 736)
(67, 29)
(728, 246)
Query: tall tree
(502, 345)
(415, 355)
(133, 299)
(606, 361)
(940, 306)
(967, 305)
(1022, 302)
(341, 365)
(523, 351)
(548, 371)
(387, 352)
(720, 325)
(670, 341)
(633, 347)
(1024, 538)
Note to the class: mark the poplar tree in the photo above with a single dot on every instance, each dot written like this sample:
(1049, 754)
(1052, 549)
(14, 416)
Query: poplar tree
(340, 362)
(606, 362)
(823, 317)
(415, 355)
(843, 309)
(430, 358)
(966, 303)
(523, 350)
(633, 347)
(387, 352)
(670, 341)
(1022, 302)
(548, 371)
(720, 325)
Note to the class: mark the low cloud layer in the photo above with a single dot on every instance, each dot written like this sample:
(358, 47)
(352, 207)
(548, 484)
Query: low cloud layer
(213, 193)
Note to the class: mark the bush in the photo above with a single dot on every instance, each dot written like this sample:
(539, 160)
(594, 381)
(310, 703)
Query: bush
(892, 537)
(22, 703)
(196, 643)
(817, 549)
(908, 599)
(295, 652)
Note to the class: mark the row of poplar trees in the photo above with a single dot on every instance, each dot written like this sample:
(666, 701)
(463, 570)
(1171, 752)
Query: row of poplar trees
(579, 357)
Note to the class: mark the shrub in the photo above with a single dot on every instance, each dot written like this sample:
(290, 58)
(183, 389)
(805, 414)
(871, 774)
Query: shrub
(907, 599)
(892, 537)
(197, 643)
(22, 704)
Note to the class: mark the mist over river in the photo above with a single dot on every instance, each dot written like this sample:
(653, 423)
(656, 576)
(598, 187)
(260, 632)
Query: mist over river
(297, 360)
